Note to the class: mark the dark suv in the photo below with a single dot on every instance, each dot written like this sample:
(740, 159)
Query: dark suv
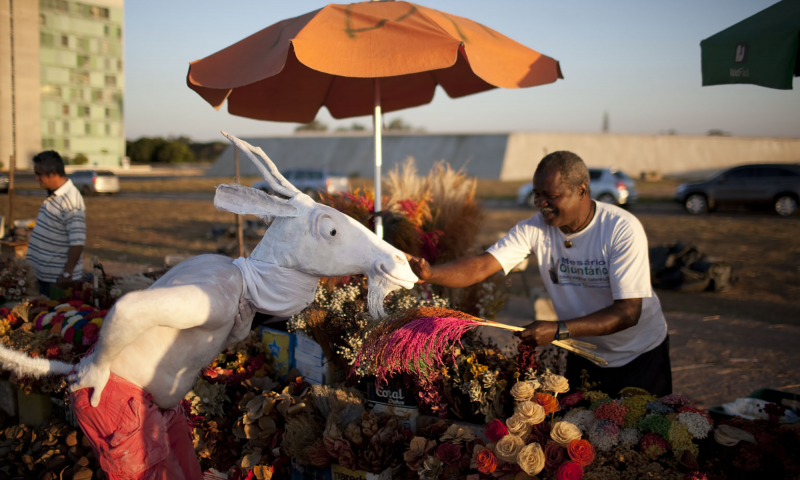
(776, 185)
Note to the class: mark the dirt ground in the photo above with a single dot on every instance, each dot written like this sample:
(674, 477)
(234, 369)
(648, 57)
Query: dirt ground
(724, 345)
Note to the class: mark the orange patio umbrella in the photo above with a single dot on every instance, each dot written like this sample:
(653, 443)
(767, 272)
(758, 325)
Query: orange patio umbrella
(360, 59)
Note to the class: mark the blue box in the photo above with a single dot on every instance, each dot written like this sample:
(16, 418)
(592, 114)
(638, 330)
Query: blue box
(280, 345)
(309, 472)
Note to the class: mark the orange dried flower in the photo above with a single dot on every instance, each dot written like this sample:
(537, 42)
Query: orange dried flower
(581, 452)
(486, 461)
(547, 401)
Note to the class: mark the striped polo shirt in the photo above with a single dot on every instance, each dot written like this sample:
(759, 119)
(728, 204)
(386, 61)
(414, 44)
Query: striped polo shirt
(61, 224)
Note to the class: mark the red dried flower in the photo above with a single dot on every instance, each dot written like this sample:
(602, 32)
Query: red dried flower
(554, 455)
(449, 453)
(571, 399)
(526, 358)
(496, 430)
(569, 471)
(612, 411)
(695, 476)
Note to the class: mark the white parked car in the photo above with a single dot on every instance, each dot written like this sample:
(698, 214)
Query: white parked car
(95, 181)
(609, 185)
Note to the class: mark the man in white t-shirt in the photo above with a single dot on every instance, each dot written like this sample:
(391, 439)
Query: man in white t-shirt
(593, 259)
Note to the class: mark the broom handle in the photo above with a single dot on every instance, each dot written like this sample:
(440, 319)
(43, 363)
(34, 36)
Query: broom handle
(570, 344)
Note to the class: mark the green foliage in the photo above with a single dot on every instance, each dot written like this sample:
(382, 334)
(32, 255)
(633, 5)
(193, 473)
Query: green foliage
(716, 132)
(315, 126)
(79, 159)
(160, 150)
(398, 125)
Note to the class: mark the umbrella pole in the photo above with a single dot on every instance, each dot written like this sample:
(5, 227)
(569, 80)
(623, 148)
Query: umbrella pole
(378, 160)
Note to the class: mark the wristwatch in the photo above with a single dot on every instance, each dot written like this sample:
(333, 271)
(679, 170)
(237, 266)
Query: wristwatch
(563, 331)
(65, 275)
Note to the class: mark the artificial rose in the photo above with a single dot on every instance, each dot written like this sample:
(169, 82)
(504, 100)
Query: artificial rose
(531, 459)
(553, 455)
(457, 434)
(581, 452)
(431, 468)
(449, 453)
(518, 426)
(318, 454)
(555, 384)
(531, 412)
(417, 451)
(565, 432)
(496, 430)
(548, 401)
(508, 448)
(522, 391)
(569, 471)
(485, 460)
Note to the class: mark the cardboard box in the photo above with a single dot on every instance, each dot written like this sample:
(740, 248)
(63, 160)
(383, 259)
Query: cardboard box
(33, 408)
(396, 401)
(338, 472)
(309, 472)
(281, 347)
(307, 346)
(8, 398)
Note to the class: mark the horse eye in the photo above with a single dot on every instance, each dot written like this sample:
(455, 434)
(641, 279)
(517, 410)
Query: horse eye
(333, 232)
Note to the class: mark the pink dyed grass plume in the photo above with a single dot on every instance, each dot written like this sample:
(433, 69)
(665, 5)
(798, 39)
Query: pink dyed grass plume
(413, 342)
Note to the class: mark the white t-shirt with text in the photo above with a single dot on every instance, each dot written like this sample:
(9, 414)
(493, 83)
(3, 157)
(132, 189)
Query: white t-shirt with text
(608, 261)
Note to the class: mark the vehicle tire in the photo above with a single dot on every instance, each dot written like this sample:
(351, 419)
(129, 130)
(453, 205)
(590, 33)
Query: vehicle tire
(607, 198)
(696, 204)
(786, 205)
(529, 201)
(85, 191)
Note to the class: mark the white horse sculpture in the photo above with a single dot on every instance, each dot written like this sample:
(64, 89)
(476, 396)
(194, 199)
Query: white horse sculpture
(160, 338)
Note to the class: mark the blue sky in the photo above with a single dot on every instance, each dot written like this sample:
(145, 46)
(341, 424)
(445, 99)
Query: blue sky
(639, 60)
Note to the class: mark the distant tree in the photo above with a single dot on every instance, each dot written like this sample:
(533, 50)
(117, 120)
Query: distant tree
(315, 126)
(715, 132)
(208, 152)
(79, 159)
(144, 149)
(357, 127)
(398, 125)
(174, 152)
(605, 122)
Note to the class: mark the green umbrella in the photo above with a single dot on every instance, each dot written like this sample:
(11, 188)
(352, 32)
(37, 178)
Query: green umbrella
(760, 50)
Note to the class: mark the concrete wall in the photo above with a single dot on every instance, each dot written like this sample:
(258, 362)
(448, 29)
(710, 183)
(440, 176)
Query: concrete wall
(480, 155)
(633, 154)
(26, 68)
(514, 156)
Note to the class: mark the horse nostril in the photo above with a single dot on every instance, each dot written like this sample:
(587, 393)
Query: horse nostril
(399, 259)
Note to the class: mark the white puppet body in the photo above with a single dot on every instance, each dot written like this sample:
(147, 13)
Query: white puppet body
(160, 338)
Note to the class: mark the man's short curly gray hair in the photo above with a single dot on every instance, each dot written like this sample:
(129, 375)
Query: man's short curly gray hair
(572, 169)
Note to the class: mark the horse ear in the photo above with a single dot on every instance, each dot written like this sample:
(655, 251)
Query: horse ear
(268, 170)
(251, 201)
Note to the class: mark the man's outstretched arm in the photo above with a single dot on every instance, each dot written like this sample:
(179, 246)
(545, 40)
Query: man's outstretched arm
(458, 273)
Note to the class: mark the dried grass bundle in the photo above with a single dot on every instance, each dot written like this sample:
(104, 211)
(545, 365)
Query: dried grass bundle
(346, 402)
(301, 432)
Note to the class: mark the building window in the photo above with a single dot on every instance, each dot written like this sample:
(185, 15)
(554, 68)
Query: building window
(51, 127)
(106, 30)
(76, 93)
(65, 109)
(119, 32)
(64, 41)
(66, 128)
(111, 81)
(105, 47)
(83, 61)
(97, 96)
(66, 144)
(46, 39)
(119, 65)
(83, 44)
(108, 113)
(108, 129)
(42, 19)
(107, 62)
(83, 111)
(87, 128)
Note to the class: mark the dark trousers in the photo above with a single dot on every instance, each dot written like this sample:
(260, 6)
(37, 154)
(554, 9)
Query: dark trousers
(650, 371)
(44, 288)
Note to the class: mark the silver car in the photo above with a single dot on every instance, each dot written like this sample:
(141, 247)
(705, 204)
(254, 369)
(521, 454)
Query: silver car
(95, 181)
(609, 185)
(310, 181)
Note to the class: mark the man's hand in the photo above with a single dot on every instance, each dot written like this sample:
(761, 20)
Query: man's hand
(420, 267)
(89, 375)
(64, 282)
(242, 322)
(539, 333)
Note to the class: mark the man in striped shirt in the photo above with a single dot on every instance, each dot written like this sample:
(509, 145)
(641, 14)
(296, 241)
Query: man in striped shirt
(56, 244)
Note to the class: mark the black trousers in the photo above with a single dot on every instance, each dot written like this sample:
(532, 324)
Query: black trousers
(650, 371)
